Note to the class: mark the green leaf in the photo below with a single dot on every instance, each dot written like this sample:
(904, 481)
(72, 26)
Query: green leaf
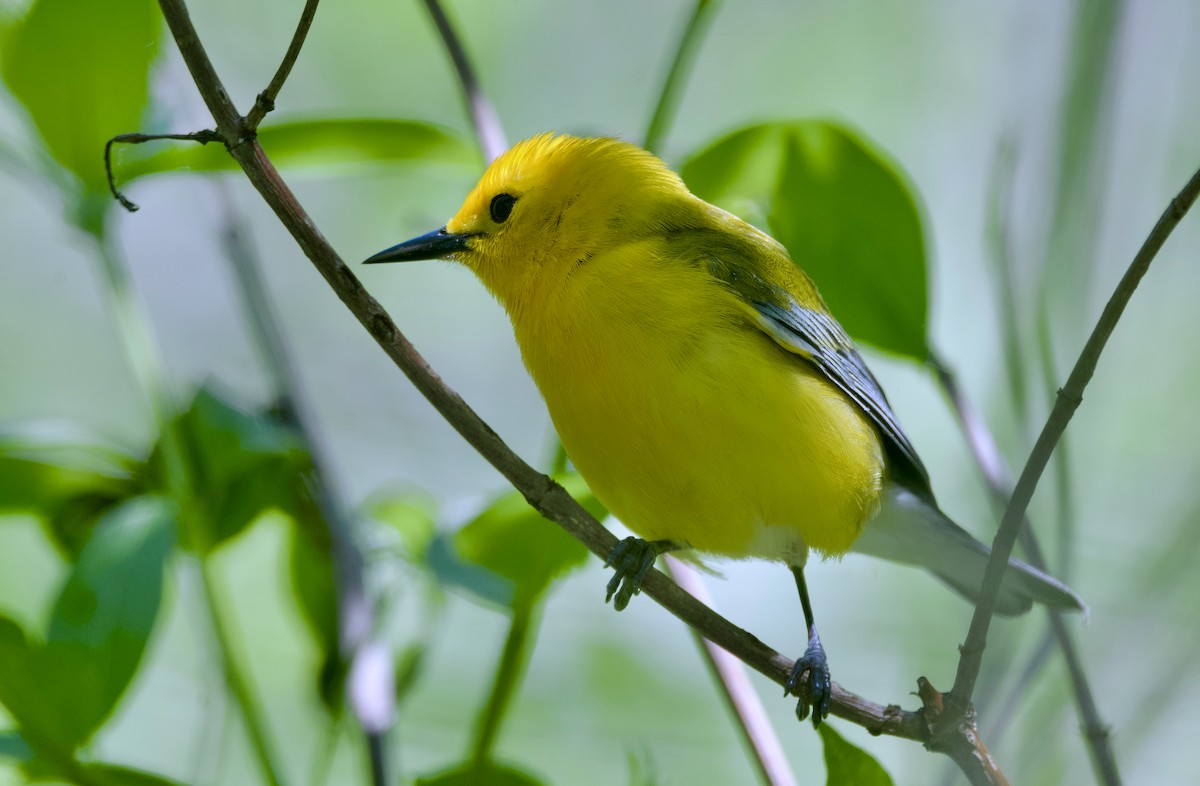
(43, 464)
(311, 566)
(104, 615)
(485, 775)
(413, 518)
(240, 464)
(68, 476)
(81, 71)
(14, 747)
(849, 765)
(307, 143)
(846, 215)
(522, 552)
(116, 775)
(22, 682)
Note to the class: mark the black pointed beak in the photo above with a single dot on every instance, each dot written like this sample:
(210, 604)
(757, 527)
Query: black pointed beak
(432, 245)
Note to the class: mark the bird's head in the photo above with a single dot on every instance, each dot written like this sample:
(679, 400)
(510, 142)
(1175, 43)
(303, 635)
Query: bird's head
(549, 204)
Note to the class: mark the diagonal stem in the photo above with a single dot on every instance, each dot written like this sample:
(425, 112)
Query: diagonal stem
(1068, 401)
(996, 476)
(668, 96)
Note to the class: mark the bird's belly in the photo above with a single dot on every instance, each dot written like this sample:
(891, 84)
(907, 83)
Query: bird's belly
(732, 447)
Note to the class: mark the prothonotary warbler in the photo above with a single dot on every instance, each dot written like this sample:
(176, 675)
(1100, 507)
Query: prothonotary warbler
(697, 380)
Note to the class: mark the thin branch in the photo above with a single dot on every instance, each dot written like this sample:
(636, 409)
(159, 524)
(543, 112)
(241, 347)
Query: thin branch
(265, 101)
(668, 96)
(203, 137)
(483, 114)
(998, 480)
(355, 615)
(730, 674)
(1069, 399)
(546, 496)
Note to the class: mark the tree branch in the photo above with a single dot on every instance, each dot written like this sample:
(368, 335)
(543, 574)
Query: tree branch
(546, 496)
(1069, 399)
(995, 474)
(265, 102)
(203, 137)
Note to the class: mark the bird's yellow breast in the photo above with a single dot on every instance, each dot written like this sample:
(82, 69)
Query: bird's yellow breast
(686, 420)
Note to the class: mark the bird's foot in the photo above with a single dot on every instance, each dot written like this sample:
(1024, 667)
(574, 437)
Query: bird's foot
(816, 689)
(631, 559)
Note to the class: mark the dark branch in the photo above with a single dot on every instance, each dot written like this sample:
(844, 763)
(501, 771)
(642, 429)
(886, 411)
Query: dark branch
(203, 137)
(265, 102)
(996, 476)
(1068, 401)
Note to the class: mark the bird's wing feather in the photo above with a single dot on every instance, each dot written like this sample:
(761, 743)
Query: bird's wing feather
(750, 267)
(820, 340)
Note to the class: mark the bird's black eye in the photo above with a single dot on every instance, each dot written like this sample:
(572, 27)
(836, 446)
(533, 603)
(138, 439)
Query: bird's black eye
(501, 207)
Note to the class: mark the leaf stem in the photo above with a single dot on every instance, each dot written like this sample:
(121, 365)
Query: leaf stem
(513, 658)
(730, 675)
(238, 682)
(488, 130)
(668, 96)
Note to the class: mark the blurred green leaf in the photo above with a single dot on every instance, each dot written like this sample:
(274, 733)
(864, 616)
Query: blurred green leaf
(486, 775)
(410, 664)
(412, 516)
(67, 475)
(849, 765)
(522, 552)
(301, 143)
(22, 683)
(42, 464)
(104, 615)
(845, 214)
(96, 774)
(240, 464)
(14, 747)
(311, 565)
(81, 71)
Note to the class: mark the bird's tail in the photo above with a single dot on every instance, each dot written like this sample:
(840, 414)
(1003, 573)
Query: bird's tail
(911, 530)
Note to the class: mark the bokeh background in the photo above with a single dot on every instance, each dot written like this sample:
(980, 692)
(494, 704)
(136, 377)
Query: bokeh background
(1092, 103)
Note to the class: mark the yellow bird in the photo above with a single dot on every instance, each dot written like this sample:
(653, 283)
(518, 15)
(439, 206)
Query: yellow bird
(697, 380)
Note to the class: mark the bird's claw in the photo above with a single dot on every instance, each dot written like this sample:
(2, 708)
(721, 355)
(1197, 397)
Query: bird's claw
(815, 691)
(631, 559)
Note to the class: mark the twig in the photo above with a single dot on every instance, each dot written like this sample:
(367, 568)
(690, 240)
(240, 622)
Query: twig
(997, 478)
(265, 101)
(488, 130)
(546, 496)
(203, 137)
(355, 615)
(668, 97)
(730, 674)
(1069, 399)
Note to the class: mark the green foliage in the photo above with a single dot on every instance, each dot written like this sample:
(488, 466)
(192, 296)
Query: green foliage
(61, 691)
(66, 474)
(845, 214)
(484, 775)
(81, 70)
(308, 143)
(509, 554)
(239, 464)
(849, 765)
